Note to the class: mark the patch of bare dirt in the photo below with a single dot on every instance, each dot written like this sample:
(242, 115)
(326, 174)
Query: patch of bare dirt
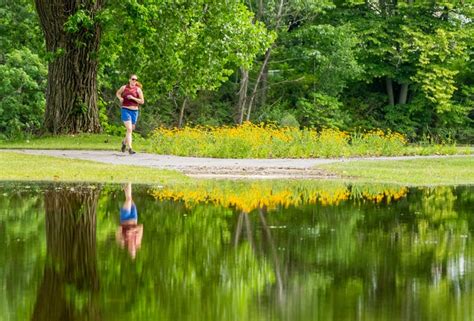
(258, 173)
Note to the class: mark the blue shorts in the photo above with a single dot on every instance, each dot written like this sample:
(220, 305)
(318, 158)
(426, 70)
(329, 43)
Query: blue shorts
(129, 115)
(128, 214)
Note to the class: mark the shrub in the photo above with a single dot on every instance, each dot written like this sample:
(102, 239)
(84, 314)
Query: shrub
(22, 98)
(289, 121)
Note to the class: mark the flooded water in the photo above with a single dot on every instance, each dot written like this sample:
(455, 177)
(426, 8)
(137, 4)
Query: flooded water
(236, 251)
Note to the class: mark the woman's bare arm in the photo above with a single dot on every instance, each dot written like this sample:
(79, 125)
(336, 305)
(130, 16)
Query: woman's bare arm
(119, 93)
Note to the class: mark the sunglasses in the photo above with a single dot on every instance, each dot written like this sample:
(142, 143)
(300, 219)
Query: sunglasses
(134, 79)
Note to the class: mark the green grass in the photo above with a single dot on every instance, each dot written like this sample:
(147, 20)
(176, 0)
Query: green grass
(82, 141)
(20, 167)
(442, 171)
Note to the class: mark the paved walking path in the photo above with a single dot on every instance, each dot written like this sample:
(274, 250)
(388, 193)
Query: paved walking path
(215, 167)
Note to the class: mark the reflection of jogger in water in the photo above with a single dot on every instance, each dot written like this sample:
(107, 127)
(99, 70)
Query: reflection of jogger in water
(130, 233)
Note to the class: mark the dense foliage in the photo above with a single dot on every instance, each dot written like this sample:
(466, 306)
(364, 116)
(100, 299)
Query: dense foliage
(347, 64)
(22, 69)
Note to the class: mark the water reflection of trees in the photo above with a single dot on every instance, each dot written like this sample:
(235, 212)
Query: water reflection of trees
(70, 283)
(374, 255)
(412, 258)
(187, 270)
(372, 261)
(21, 257)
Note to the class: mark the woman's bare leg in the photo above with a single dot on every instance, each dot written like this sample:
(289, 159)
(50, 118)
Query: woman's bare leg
(128, 134)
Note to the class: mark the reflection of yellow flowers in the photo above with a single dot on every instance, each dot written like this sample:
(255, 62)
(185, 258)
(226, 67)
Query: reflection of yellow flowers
(388, 195)
(269, 140)
(257, 195)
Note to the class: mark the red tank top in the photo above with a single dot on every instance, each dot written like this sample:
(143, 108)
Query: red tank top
(130, 91)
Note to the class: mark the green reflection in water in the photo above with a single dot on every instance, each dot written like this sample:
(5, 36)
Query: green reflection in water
(338, 253)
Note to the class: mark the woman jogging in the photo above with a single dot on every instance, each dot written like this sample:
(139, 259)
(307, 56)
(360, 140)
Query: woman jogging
(131, 97)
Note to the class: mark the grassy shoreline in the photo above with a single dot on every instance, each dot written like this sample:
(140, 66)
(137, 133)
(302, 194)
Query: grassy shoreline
(21, 167)
(416, 172)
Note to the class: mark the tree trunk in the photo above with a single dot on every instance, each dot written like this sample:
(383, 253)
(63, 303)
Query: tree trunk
(244, 82)
(260, 11)
(391, 97)
(257, 82)
(402, 100)
(263, 87)
(181, 112)
(71, 248)
(265, 61)
(71, 94)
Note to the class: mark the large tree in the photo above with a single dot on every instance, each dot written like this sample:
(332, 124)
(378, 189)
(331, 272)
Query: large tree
(72, 35)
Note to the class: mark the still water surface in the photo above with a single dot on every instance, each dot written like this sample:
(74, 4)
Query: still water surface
(236, 251)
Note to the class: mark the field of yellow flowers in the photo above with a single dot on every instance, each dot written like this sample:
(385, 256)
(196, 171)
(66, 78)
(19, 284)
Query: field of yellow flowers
(269, 141)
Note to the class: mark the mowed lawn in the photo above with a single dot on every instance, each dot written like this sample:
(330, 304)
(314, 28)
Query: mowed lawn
(20, 167)
(82, 142)
(437, 171)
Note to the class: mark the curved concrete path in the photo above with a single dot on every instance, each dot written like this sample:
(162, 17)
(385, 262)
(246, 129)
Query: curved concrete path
(214, 167)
